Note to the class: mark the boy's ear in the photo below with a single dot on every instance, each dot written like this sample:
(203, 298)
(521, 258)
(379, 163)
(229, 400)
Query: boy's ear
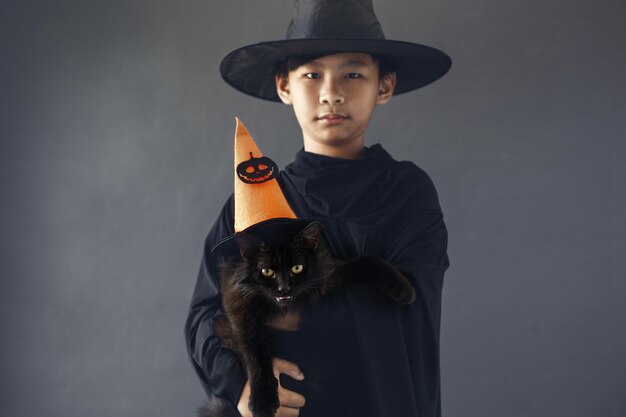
(386, 85)
(282, 89)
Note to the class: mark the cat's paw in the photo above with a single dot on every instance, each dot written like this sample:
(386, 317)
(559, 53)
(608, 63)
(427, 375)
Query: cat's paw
(401, 291)
(264, 398)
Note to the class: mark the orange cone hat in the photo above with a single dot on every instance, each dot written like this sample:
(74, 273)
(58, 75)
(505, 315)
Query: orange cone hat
(258, 196)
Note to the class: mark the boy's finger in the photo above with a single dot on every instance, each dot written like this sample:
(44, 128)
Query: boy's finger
(282, 366)
(288, 412)
(290, 399)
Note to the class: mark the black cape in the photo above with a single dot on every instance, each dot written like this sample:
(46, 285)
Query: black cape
(360, 354)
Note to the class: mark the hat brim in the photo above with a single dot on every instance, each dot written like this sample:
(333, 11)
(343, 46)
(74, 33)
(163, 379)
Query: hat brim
(268, 231)
(252, 69)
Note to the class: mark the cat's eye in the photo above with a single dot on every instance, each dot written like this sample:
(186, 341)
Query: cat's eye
(296, 269)
(267, 272)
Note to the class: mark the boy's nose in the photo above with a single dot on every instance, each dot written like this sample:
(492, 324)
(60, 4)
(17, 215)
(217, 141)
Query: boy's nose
(332, 99)
(330, 94)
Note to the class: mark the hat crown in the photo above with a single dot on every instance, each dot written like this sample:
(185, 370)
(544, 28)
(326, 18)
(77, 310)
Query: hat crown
(334, 19)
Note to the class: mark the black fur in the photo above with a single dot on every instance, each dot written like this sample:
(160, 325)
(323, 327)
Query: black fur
(302, 272)
(217, 407)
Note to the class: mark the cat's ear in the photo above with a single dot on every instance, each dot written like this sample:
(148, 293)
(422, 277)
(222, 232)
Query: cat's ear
(309, 237)
(249, 245)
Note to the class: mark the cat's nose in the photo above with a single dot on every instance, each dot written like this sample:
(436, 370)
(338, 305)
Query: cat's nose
(283, 288)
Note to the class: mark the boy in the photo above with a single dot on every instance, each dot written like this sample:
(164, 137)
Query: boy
(354, 354)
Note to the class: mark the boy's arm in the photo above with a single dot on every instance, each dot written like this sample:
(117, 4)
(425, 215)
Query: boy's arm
(417, 245)
(420, 252)
(219, 369)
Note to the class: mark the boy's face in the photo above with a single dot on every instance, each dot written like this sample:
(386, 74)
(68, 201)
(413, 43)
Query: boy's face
(333, 98)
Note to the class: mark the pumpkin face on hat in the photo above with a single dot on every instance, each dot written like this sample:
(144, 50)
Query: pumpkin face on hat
(257, 170)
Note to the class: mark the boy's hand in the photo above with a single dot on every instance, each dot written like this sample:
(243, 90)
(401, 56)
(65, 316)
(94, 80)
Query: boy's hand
(290, 402)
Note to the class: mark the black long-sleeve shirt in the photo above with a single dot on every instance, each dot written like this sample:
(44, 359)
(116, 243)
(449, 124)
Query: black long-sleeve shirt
(360, 354)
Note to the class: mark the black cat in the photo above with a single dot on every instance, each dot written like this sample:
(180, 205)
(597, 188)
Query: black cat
(270, 280)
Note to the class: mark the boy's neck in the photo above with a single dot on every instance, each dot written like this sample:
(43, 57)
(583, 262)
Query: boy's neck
(350, 150)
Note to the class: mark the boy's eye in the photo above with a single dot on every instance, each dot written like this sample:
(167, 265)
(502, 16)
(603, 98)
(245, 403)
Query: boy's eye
(353, 75)
(296, 269)
(312, 75)
(267, 272)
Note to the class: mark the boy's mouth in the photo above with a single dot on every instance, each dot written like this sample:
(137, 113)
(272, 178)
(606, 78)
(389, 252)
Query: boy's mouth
(332, 118)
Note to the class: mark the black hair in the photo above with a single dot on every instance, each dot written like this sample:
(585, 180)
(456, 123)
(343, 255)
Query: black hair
(385, 66)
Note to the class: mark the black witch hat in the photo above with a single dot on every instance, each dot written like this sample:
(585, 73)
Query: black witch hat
(327, 27)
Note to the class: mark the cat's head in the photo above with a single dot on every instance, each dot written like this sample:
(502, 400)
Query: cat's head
(287, 271)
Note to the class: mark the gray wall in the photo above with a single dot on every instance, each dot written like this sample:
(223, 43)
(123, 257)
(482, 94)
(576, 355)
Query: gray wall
(116, 138)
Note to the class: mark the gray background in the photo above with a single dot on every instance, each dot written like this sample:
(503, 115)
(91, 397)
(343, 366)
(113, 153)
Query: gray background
(116, 135)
